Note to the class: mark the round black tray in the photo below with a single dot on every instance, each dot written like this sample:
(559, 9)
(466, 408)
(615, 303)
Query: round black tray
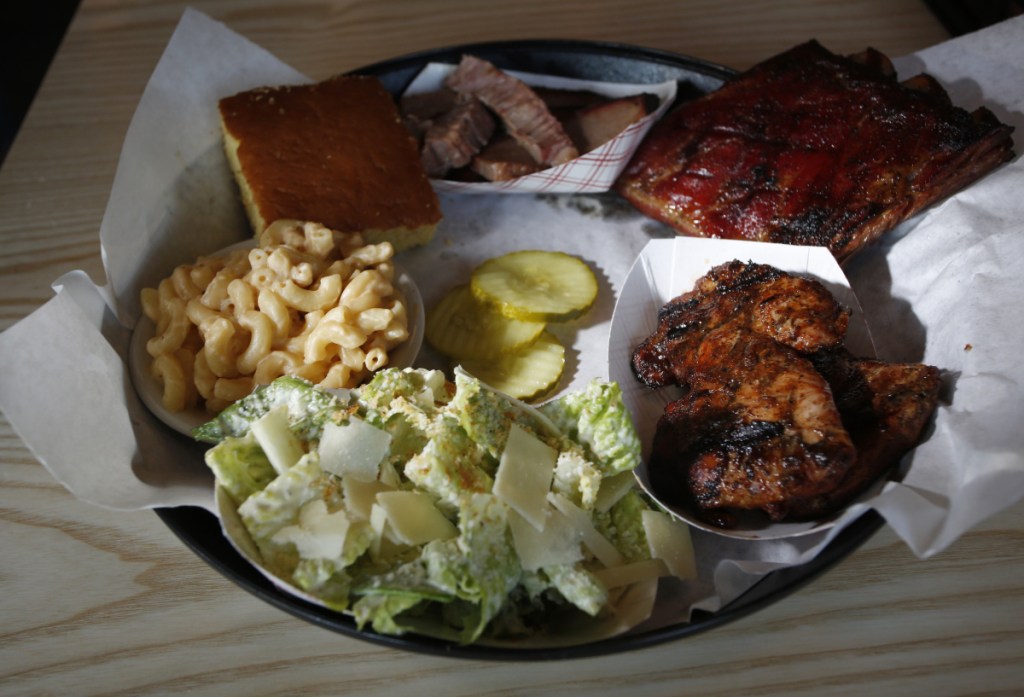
(608, 62)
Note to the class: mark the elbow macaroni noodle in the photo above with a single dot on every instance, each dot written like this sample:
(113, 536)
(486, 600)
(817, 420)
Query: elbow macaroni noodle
(308, 301)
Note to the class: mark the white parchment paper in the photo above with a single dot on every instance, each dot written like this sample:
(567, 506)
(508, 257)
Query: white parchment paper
(943, 288)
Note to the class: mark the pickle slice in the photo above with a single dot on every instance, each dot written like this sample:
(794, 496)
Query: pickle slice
(461, 327)
(527, 374)
(534, 285)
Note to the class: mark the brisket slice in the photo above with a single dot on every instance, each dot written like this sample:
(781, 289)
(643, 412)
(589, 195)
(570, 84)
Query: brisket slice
(524, 114)
(594, 125)
(456, 136)
(419, 111)
(504, 159)
(449, 127)
(811, 148)
(426, 106)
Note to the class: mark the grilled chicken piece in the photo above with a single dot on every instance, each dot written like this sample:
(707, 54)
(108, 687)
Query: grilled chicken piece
(776, 416)
(885, 408)
(811, 148)
(755, 407)
(794, 311)
(758, 428)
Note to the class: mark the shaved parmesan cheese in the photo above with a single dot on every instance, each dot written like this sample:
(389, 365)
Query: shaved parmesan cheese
(389, 475)
(279, 444)
(319, 534)
(524, 475)
(353, 449)
(593, 540)
(381, 531)
(559, 543)
(628, 574)
(669, 539)
(361, 496)
(612, 489)
(414, 518)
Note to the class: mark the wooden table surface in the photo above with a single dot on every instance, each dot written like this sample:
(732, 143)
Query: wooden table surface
(101, 602)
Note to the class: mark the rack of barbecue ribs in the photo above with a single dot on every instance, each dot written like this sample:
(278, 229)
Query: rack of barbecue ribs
(811, 148)
(775, 415)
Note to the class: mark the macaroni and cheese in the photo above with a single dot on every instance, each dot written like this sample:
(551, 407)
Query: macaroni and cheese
(308, 301)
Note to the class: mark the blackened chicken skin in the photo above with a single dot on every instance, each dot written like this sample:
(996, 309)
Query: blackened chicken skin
(775, 416)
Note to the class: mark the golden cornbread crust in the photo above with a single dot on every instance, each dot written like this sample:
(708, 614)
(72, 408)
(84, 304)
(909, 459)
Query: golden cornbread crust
(334, 152)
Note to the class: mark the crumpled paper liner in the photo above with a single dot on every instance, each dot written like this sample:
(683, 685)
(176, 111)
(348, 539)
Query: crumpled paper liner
(943, 288)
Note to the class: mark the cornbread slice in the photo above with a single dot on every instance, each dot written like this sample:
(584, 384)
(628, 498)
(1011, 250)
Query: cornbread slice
(333, 152)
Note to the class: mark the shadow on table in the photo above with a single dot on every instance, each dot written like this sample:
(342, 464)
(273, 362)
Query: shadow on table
(965, 16)
(30, 33)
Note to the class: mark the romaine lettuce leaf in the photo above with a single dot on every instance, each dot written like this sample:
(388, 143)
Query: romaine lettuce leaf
(487, 415)
(240, 466)
(322, 578)
(623, 525)
(381, 610)
(423, 388)
(576, 477)
(479, 566)
(267, 511)
(405, 576)
(578, 586)
(385, 595)
(450, 465)
(597, 418)
(308, 409)
(407, 437)
(327, 579)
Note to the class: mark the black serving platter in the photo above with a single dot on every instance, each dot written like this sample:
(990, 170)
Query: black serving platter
(608, 62)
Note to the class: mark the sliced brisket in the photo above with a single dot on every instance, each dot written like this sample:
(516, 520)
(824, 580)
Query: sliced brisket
(524, 114)
(456, 136)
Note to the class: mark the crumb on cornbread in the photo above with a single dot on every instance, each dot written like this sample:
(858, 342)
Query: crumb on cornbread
(334, 152)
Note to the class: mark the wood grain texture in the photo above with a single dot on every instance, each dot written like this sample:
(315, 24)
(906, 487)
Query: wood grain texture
(101, 602)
